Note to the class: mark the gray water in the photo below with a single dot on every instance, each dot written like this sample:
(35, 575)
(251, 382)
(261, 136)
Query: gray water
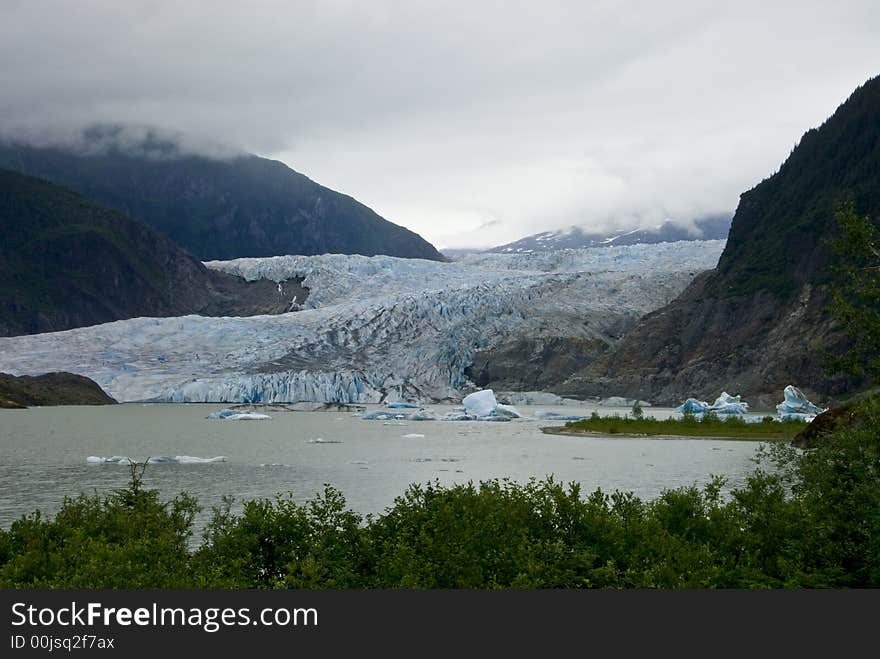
(43, 455)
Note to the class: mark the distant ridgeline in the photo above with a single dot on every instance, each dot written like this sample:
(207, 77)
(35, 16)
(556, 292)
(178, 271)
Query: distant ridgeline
(711, 227)
(759, 320)
(217, 208)
(67, 262)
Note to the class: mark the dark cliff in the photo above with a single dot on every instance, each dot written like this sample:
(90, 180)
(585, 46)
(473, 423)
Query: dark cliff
(219, 208)
(67, 262)
(759, 321)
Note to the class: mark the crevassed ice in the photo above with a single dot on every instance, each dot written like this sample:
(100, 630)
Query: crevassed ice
(374, 328)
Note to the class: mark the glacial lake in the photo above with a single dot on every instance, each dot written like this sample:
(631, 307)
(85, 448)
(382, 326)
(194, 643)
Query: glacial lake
(44, 451)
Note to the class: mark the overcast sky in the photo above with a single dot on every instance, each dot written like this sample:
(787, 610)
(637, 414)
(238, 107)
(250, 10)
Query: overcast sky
(473, 123)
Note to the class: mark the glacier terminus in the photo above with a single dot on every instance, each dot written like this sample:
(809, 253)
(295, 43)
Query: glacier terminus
(373, 329)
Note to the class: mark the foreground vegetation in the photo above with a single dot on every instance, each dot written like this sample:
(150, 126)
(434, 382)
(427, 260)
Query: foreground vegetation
(803, 519)
(686, 426)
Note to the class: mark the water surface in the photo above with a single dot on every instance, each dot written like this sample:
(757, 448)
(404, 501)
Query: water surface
(43, 455)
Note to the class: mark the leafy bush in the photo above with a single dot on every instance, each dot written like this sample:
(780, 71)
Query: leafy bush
(804, 519)
(127, 539)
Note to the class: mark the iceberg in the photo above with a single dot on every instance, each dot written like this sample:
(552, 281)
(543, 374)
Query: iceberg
(238, 415)
(723, 405)
(398, 406)
(124, 460)
(480, 403)
(692, 406)
(385, 415)
(727, 404)
(507, 410)
(796, 405)
(192, 460)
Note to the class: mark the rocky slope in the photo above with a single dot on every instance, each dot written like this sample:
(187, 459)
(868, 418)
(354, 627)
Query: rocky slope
(759, 320)
(50, 389)
(216, 208)
(66, 262)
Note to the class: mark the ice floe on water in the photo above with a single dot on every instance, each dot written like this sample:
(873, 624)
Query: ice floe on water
(238, 415)
(125, 460)
(480, 405)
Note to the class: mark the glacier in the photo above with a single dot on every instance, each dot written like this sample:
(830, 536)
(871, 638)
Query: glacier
(373, 329)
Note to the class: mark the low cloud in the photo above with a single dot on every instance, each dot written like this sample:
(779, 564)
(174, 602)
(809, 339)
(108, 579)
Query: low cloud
(447, 117)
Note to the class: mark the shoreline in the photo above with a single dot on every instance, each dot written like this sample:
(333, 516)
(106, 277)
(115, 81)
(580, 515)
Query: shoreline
(572, 432)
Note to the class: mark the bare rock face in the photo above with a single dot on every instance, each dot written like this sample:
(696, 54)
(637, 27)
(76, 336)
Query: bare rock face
(700, 345)
(539, 364)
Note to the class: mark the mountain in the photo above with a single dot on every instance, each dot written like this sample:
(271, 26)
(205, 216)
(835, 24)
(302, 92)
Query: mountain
(50, 389)
(216, 208)
(759, 321)
(67, 262)
(712, 227)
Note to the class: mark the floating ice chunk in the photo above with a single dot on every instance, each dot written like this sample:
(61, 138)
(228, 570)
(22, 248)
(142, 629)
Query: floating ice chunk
(397, 406)
(161, 459)
(796, 403)
(413, 435)
(727, 404)
(508, 410)
(480, 403)
(124, 460)
(692, 406)
(113, 459)
(381, 415)
(458, 415)
(724, 404)
(193, 460)
(321, 440)
(385, 415)
(238, 415)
